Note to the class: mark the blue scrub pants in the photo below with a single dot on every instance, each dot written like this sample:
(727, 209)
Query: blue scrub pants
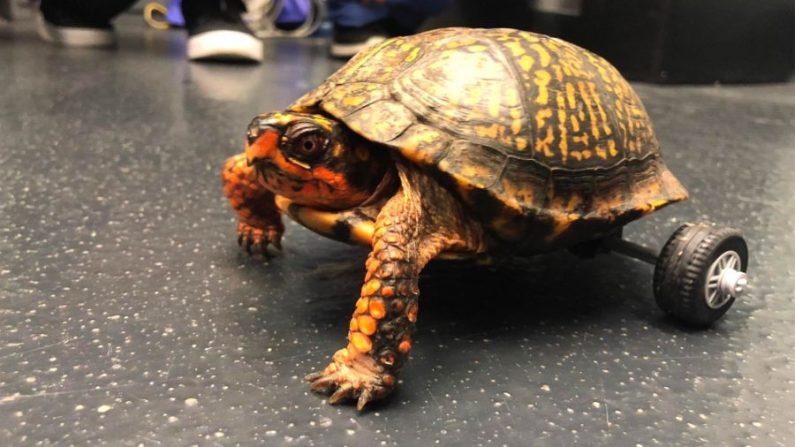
(407, 13)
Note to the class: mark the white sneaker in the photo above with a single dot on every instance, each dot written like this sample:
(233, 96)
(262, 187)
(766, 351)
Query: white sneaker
(225, 44)
(72, 36)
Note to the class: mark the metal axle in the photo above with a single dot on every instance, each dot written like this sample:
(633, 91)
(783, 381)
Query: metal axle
(631, 249)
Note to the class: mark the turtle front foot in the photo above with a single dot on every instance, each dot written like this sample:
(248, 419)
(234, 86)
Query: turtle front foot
(357, 377)
(255, 240)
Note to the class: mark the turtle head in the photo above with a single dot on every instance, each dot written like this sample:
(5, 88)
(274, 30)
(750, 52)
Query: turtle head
(313, 160)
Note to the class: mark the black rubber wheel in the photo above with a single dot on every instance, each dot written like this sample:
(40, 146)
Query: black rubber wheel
(693, 254)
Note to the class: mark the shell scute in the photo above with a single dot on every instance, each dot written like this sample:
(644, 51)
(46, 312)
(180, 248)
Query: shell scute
(349, 98)
(381, 121)
(481, 166)
(424, 143)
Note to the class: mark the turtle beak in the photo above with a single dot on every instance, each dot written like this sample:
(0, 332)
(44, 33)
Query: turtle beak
(262, 145)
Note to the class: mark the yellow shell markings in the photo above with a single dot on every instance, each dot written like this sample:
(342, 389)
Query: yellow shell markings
(475, 102)
(563, 144)
(585, 107)
(480, 174)
(474, 165)
(588, 106)
(353, 101)
(542, 78)
(379, 63)
(570, 95)
(381, 121)
(348, 98)
(457, 105)
(517, 193)
(597, 138)
(543, 54)
(575, 123)
(541, 117)
(514, 46)
(544, 145)
(564, 211)
(516, 126)
(413, 54)
(597, 101)
(561, 106)
(422, 143)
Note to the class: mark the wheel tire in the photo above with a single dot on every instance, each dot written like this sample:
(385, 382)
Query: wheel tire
(683, 266)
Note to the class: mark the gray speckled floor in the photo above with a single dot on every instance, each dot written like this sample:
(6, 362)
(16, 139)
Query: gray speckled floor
(129, 317)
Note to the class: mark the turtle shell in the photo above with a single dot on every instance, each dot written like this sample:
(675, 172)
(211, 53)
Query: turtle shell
(540, 137)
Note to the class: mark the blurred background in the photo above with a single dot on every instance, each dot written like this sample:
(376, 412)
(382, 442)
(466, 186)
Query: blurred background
(129, 315)
(665, 41)
(677, 41)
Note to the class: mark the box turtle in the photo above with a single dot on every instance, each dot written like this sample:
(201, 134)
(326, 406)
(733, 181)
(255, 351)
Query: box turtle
(465, 143)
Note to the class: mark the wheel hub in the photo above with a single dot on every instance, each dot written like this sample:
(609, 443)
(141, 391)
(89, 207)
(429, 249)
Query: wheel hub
(725, 280)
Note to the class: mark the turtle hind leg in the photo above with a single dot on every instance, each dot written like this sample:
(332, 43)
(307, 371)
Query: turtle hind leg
(260, 223)
(414, 226)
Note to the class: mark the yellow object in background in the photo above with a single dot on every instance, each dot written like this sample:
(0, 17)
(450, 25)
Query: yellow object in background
(155, 16)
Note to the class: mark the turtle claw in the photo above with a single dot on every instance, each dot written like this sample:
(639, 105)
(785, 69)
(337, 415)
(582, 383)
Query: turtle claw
(345, 391)
(255, 240)
(322, 384)
(313, 376)
(352, 379)
(275, 238)
(366, 396)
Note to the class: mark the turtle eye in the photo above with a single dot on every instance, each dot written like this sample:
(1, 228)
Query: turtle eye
(306, 142)
(309, 146)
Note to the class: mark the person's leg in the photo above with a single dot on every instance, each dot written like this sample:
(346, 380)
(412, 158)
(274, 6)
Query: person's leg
(5, 10)
(410, 14)
(79, 23)
(356, 26)
(294, 13)
(356, 13)
(359, 23)
(216, 31)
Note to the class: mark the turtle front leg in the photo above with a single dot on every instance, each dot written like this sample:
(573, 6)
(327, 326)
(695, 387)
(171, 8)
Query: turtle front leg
(379, 336)
(415, 225)
(260, 222)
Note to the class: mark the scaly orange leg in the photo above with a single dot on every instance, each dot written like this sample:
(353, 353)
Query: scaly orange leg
(260, 222)
(415, 225)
